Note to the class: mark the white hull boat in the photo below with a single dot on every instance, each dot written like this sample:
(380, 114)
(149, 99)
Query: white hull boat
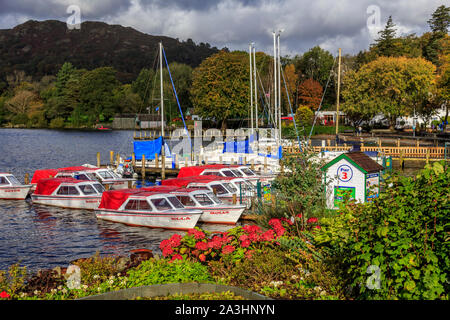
(11, 188)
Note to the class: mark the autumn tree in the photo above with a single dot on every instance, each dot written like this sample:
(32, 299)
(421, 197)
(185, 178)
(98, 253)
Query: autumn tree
(220, 86)
(388, 85)
(310, 93)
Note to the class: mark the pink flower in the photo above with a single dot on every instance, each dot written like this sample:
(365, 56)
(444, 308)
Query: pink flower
(227, 249)
(201, 245)
(317, 227)
(4, 295)
(312, 220)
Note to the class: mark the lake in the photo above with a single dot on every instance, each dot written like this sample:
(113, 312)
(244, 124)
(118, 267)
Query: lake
(41, 237)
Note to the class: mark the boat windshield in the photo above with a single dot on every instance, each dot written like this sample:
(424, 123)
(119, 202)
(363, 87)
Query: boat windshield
(175, 202)
(230, 187)
(203, 199)
(87, 189)
(99, 187)
(13, 181)
(4, 181)
(214, 198)
(228, 173)
(211, 173)
(186, 200)
(105, 174)
(219, 189)
(161, 204)
(248, 172)
(237, 173)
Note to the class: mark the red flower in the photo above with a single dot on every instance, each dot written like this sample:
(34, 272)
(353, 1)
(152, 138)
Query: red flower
(299, 216)
(251, 229)
(227, 249)
(312, 220)
(288, 221)
(175, 240)
(201, 245)
(216, 242)
(317, 227)
(268, 235)
(198, 235)
(164, 244)
(202, 257)
(167, 251)
(243, 237)
(245, 243)
(176, 257)
(249, 254)
(4, 295)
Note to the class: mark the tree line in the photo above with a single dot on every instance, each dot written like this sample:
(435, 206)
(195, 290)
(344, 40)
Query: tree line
(396, 75)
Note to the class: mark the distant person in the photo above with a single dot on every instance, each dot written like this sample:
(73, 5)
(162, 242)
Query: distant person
(359, 130)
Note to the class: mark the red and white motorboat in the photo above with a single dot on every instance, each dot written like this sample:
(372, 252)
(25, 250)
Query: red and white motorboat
(68, 193)
(106, 177)
(11, 188)
(222, 187)
(147, 209)
(214, 210)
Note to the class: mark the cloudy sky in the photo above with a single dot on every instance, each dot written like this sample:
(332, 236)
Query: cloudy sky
(349, 24)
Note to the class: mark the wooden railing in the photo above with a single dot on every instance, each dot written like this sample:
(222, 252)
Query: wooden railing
(395, 152)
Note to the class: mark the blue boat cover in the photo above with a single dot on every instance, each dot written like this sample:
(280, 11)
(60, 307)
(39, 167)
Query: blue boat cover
(237, 147)
(371, 153)
(149, 148)
(279, 155)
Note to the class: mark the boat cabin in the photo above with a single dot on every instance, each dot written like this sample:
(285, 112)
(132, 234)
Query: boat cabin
(11, 188)
(68, 193)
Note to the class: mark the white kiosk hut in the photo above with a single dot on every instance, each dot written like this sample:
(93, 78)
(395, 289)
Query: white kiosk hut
(352, 172)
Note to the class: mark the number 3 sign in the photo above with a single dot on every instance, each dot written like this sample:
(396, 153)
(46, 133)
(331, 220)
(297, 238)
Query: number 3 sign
(344, 173)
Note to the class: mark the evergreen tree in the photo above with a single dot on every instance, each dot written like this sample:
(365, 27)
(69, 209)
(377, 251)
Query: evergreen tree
(439, 23)
(385, 44)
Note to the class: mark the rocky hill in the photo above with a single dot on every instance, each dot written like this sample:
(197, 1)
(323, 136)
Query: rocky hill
(40, 48)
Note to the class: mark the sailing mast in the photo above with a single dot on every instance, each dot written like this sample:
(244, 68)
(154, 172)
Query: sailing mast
(338, 92)
(163, 156)
(256, 88)
(279, 87)
(251, 87)
(275, 90)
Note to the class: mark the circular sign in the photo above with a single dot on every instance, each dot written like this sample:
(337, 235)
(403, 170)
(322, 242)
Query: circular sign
(344, 173)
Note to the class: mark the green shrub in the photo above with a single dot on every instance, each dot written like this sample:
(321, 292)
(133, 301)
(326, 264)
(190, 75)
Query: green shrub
(57, 123)
(161, 271)
(400, 239)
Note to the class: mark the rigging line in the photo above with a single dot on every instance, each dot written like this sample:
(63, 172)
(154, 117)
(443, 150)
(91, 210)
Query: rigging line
(148, 80)
(290, 106)
(270, 117)
(176, 96)
(321, 101)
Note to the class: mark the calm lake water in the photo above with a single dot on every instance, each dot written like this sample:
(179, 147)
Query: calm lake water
(41, 237)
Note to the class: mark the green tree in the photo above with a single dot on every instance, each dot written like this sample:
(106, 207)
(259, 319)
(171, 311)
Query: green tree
(96, 88)
(220, 86)
(439, 23)
(386, 44)
(392, 86)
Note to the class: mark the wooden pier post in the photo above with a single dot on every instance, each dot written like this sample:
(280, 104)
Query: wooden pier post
(252, 166)
(265, 164)
(398, 143)
(27, 178)
(428, 156)
(133, 159)
(163, 167)
(98, 160)
(402, 163)
(111, 158)
(143, 167)
(117, 160)
(156, 161)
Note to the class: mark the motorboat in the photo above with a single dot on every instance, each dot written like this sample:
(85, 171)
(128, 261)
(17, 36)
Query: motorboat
(154, 209)
(11, 188)
(214, 210)
(108, 178)
(68, 193)
(222, 187)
